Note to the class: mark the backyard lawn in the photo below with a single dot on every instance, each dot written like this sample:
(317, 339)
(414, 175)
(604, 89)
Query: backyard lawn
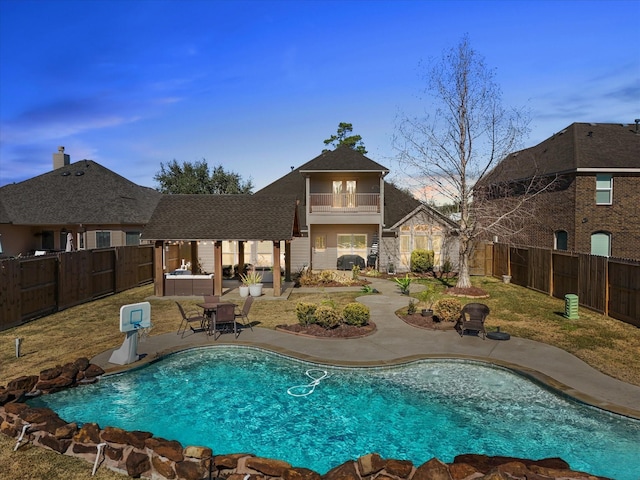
(608, 345)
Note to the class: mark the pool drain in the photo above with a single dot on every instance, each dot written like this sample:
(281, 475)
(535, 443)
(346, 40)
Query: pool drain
(304, 390)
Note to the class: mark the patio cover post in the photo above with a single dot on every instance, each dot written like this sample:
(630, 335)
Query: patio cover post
(287, 260)
(240, 257)
(277, 281)
(158, 268)
(217, 275)
(195, 266)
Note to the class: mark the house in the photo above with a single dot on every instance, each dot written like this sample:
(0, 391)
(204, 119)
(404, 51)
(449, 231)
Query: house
(82, 202)
(587, 180)
(346, 208)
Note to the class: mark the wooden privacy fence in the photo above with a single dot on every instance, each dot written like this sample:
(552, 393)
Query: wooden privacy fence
(36, 286)
(607, 285)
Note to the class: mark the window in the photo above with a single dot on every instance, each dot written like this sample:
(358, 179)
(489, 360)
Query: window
(103, 239)
(133, 238)
(604, 189)
(47, 240)
(321, 242)
(561, 240)
(601, 244)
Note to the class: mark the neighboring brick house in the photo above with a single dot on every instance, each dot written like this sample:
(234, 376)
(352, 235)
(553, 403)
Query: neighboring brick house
(593, 203)
(347, 208)
(95, 205)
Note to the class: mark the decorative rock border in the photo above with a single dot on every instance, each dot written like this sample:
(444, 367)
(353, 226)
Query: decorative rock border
(140, 454)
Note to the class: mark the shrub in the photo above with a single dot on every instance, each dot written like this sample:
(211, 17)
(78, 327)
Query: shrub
(411, 309)
(404, 284)
(327, 316)
(356, 314)
(447, 309)
(306, 313)
(428, 295)
(422, 260)
(355, 272)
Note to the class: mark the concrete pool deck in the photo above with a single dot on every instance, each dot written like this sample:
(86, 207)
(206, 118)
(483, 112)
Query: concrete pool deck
(396, 342)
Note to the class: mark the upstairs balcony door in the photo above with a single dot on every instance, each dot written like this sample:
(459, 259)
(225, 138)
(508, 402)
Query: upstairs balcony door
(344, 194)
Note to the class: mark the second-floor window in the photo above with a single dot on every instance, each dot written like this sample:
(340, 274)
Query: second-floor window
(604, 189)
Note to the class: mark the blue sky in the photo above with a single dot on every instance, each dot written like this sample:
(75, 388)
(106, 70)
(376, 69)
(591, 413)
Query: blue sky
(257, 86)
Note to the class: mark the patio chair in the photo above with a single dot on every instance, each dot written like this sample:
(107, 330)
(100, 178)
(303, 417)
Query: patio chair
(243, 315)
(187, 320)
(224, 317)
(472, 318)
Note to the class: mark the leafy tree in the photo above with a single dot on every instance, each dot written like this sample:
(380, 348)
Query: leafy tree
(468, 132)
(196, 178)
(342, 137)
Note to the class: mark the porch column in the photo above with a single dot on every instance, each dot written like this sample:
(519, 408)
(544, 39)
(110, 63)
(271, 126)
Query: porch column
(217, 261)
(277, 282)
(240, 257)
(195, 266)
(287, 261)
(158, 269)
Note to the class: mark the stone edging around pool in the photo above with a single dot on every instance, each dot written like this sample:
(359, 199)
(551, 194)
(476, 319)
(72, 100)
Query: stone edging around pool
(141, 454)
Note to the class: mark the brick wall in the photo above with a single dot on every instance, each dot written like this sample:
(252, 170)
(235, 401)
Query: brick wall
(571, 206)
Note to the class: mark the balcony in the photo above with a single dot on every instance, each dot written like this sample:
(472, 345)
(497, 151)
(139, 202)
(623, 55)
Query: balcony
(344, 203)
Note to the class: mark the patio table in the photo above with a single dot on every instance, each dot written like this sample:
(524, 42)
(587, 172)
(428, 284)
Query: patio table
(209, 312)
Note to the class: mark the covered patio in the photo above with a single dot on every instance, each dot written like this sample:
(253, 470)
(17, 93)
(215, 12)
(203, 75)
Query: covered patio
(200, 219)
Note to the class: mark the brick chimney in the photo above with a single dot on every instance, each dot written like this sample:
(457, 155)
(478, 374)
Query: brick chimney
(60, 159)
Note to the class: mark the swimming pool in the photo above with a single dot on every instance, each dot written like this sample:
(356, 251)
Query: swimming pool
(237, 400)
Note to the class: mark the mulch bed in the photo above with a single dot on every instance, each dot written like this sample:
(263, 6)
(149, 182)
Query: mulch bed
(341, 331)
(471, 292)
(417, 320)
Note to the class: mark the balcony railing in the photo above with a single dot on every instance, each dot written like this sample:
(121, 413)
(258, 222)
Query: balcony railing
(344, 203)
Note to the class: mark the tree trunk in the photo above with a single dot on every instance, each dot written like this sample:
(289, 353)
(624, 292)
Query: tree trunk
(464, 279)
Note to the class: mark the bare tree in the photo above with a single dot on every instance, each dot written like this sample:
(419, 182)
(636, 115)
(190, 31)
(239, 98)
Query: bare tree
(468, 132)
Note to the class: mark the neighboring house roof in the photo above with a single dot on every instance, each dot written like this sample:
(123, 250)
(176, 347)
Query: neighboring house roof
(223, 217)
(83, 192)
(398, 203)
(581, 147)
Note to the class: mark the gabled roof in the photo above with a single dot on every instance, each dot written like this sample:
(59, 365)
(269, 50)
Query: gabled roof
(581, 147)
(223, 217)
(400, 206)
(83, 192)
(343, 158)
(398, 203)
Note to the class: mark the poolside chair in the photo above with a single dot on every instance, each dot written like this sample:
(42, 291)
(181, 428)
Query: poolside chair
(243, 315)
(472, 318)
(187, 320)
(224, 317)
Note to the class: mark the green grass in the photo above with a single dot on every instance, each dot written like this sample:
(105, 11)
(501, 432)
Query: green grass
(608, 345)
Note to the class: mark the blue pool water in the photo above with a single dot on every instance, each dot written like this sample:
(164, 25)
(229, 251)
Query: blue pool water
(237, 400)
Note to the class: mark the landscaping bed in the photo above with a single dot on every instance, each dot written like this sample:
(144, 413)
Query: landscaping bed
(341, 331)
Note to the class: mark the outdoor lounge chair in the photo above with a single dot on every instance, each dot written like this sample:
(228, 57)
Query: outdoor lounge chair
(224, 317)
(243, 315)
(187, 320)
(472, 318)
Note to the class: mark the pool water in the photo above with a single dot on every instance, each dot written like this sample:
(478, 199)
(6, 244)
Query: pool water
(244, 400)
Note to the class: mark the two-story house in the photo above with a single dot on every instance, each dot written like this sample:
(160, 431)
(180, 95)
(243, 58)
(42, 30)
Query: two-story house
(347, 208)
(82, 204)
(588, 176)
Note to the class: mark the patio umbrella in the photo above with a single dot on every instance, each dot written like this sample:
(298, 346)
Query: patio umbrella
(69, 246)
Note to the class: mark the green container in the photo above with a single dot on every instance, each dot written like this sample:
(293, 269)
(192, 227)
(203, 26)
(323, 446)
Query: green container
(571, 306)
